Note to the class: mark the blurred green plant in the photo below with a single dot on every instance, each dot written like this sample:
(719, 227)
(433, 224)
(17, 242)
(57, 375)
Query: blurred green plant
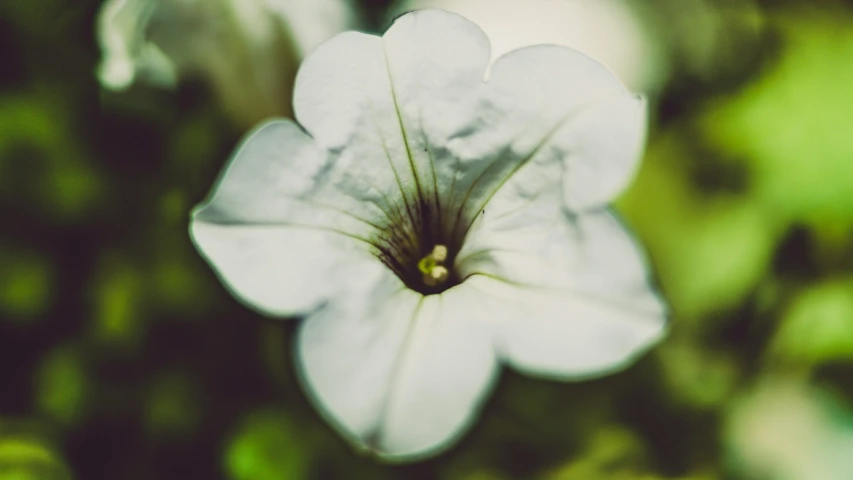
(118, 304)
(171, 409)
(266, 446)
(615, 453)
(816, 327)
(786, 429)
(791, 126)
(43, 165)
(710, 252)
(63, 385)
(696, 375)
(27, 455)
(26, 284)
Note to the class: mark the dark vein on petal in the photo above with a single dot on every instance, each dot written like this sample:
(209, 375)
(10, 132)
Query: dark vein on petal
(403, 132)
(405, 240)
(434, 177)
(396, 174)
(545, 140)
(450, 196)
(467, 196)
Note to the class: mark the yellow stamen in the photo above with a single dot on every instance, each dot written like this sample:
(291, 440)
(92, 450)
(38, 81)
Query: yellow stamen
(432, 267)
(439, 253)
(436, 276)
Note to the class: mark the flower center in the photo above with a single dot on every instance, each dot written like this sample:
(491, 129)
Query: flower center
(419, 244)
(433, 268)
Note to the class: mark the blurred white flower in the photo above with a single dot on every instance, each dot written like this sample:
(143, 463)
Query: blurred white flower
(786, 430)
(610, 31)
(247, 50)
(430, 226)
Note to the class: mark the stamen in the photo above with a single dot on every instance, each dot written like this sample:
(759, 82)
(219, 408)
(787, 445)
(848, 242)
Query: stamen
(436, 276)
(432, 267)
(439, 253)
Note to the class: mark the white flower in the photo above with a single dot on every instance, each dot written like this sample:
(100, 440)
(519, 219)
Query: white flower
(247, 50)
(431, 226)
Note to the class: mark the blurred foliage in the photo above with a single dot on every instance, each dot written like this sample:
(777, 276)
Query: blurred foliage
(62, 385)
(787, 126)
(780, 429)
(266, 446)
(816, 327)
(709, 250)
(26, 285)
(43, 167)
(122, 356)
(27, 454)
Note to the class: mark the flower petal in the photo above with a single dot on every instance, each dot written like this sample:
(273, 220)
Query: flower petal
(569, 102)
(280, 271)
(375, 99)
(272, 244)
(543, 105)
(569, 293)
(564, 334)
(126, 53)
(277, 176)
(396, 372)
(357, 77)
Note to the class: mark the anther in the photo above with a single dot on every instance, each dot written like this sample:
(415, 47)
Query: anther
(432, 267)
(436, 276)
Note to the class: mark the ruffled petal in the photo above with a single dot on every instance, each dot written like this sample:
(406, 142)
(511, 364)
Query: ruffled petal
(126, 53)
(267, 236)
(386, 99)
(357, 86)
(399, 374)
(281, 271)
(571, 106)
(547, 106)
(569, 294)
(564, 333)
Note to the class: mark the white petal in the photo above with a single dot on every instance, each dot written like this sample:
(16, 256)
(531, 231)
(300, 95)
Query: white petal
(572, 104)
(281, 271)
(545, 108)
(276, 247)
(564, 334)
(397, 373)
(376, 99)
(273, 179)
(126, 53)
(356, 77)
(570, 294)
(434, 50)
